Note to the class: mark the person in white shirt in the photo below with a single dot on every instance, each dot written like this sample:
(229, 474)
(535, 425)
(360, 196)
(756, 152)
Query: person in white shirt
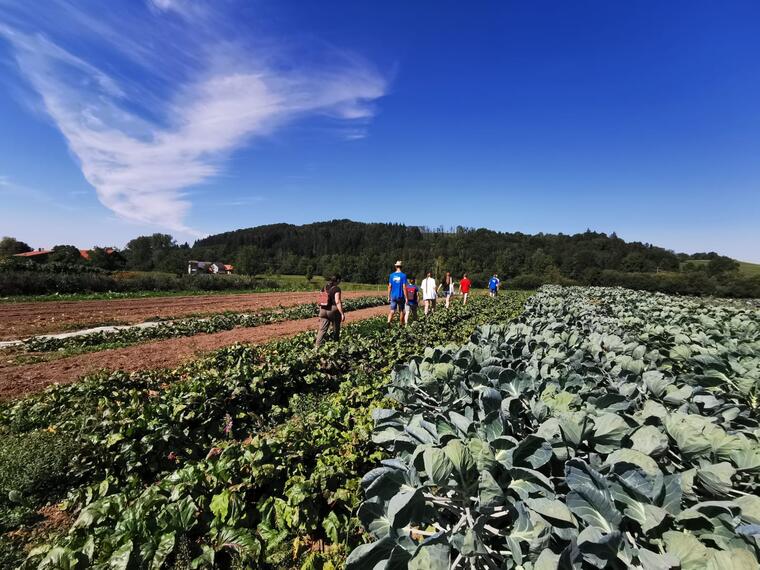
(429, 293)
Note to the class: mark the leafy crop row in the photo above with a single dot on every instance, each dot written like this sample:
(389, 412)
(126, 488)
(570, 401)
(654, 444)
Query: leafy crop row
(252, 456)
(605, 429)
(190, 326)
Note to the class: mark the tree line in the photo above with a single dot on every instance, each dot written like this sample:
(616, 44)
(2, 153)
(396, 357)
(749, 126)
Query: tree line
(365, 252)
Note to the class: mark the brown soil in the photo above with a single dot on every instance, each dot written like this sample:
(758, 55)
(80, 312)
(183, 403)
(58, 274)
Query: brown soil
(52, 520)
(21, 320)
(20, 380)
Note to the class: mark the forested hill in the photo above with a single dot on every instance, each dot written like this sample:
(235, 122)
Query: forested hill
(366, 252)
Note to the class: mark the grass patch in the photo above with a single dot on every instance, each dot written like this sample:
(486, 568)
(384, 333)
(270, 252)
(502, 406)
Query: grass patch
(746, 268)
(749, 269)
(33, 468)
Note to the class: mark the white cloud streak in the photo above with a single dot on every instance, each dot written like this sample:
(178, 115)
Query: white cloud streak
(141, 163)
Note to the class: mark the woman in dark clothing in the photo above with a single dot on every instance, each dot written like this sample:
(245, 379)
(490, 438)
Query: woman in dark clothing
(448, 287)
(330, 309)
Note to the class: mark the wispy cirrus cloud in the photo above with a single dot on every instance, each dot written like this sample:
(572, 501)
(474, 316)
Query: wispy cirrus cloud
(152, 104)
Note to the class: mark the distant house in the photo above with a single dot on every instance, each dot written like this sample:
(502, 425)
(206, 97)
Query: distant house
(37, 255)
(213, 267)
(85, 253)
(42, 254)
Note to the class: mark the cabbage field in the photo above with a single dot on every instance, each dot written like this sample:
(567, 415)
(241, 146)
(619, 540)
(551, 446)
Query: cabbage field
(604, 428)
(574, 428)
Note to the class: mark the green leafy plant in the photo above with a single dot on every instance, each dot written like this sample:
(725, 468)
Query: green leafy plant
(604, 429)
(281, 488)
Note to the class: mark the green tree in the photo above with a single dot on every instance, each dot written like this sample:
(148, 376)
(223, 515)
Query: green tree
(439, 268)
(580, 262)
(249, 261)
(636, 263)
(540, 262)
(171, 260)
(552, 274)
(11, 246)
(721, 264)
(144, 253)
(66, 254)
(691, 267)
(109, 259)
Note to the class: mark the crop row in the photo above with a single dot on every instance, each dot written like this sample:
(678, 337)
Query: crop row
(605, 429)
(255, 453)
(190, 326)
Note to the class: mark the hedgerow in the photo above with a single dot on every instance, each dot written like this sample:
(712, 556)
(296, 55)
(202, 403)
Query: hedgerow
(36, 279)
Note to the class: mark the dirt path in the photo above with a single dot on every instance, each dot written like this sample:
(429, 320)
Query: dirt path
(20, 380)
(21, 320)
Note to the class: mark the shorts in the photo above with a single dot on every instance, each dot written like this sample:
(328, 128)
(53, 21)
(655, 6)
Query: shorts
(398, 304)
(448, 293)
(411, 308)
(494, 291)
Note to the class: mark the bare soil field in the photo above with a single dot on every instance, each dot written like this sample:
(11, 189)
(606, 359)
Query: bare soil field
(22, 320)
(19, 380)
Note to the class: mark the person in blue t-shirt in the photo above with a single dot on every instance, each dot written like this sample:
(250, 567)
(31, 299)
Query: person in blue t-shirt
(493, 285)
(397, 294)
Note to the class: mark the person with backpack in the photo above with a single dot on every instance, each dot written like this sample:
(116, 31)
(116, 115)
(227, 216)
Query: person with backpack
(448, 287)
(493, 285)
(412, 292)
(429, 293)
(397, 293)
(330, 310)
(464, 288)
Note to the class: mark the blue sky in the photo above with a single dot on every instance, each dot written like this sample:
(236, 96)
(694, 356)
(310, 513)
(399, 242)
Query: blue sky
(197, 117)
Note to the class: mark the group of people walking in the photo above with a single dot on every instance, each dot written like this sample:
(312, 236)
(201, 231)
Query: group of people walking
(403, 296)
(403, 292)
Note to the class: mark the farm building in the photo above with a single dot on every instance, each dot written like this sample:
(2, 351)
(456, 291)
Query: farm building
(42, 254)
(214, 267)
(36, 255)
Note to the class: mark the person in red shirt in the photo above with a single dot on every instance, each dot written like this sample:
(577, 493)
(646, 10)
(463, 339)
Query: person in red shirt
(464, 288)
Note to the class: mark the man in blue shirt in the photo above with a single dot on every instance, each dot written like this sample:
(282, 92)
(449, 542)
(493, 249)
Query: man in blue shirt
(397, 294)
(493, 285)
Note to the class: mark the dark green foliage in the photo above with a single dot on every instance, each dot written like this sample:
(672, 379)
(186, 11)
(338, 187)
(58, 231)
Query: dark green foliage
(154, 253)
(249, 260)
(66, 254)
(686, 283)
(365, 252)
(110, 260)
(11, 246)
(93, 280)
(34, 468)
(13, 264)
(721, 264)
